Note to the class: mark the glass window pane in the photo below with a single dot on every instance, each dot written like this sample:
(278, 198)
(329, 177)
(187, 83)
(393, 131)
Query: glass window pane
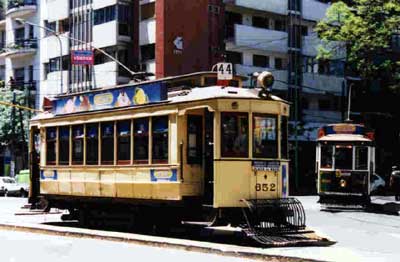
(284, 137)
(51, 145)
(195, 144)
(92, 144)
(265, 142)
(63, 145)
(343, 157)
(77, 145)
(160, 139)
(107, 143)
(361, 158)
(234, 135)
(124, 142)
(326, 156)
(141, 140)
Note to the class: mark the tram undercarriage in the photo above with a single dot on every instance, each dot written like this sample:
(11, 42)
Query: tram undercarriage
(273, 222)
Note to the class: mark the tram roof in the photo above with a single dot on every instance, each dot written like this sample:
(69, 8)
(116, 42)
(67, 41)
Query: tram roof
(344, 138)
(184, 96)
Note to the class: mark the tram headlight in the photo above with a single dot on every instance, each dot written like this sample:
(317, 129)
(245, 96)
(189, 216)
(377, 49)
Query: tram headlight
(265, 80)
(343, 183)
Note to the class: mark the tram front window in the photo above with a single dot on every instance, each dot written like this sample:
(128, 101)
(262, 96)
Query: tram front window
(343, 157)
(361, 158)
(234, 135)
(107, 143)
(265, 144)
(160, 139)
(326, 156)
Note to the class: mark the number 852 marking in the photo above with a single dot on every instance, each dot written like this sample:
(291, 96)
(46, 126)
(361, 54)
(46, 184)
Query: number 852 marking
(266, 187)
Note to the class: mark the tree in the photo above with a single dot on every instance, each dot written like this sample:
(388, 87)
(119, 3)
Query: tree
(366, 29)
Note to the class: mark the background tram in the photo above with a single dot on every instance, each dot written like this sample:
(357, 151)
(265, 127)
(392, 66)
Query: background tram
(345, 162)
(175, 149)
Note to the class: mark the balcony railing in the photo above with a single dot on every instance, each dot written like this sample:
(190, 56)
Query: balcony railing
(20, 46)
(19, 3)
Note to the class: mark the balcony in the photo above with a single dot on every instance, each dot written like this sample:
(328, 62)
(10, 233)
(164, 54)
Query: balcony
(20, 48)
(281, 76)
(314, 10)
(321, 84)
(244, 37)
(147, 29)
(273, 6)
(21, 8)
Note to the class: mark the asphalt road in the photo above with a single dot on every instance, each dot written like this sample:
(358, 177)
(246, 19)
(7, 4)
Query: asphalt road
(360, 236)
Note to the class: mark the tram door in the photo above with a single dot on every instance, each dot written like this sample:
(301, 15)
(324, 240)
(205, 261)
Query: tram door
(34, 162)
(208, 157)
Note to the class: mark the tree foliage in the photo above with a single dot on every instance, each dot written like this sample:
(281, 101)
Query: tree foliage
(7, 123)
(366, 30)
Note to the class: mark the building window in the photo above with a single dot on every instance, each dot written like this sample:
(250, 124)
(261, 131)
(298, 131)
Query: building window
(304, 30)
(214, 9)
(107, 143)
(51, 145)
(63, 26)
(160, 139)
(230, 20)
(141, 140)
(234, 135)
(147, 11)
(260, 61)
(234, 57)
(92, 144)
(50, 25)
(294, 5)
(104, 15)
(148, 52)
(63, 145)
(280, 25)
(261, 22)
(124, 142)
(309, 63)
(194, 138)
(324, 105)
(124, 20)
(19, 75)
(77, 145)
(279, 64)
(265, 132)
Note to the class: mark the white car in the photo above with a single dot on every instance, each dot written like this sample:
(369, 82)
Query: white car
(8, 186)
(377, 184)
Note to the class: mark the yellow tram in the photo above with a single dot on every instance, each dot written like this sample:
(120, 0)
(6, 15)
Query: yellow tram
(180, 148)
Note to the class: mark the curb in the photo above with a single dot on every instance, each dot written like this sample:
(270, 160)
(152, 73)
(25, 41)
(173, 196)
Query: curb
(153, 241)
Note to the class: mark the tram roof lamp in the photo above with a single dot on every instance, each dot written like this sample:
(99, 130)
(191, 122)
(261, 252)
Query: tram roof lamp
(265, 80)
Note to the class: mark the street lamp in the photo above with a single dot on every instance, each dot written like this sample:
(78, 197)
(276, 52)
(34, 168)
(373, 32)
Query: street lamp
(133, 74)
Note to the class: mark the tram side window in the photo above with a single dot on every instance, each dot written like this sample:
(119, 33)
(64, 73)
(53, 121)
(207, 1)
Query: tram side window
(92, 144)
(361, 158)
(284, 137)
(326, 156)
(234, 135)
(141, 140)
(265, 142)
(51, 145)
(343, 157)
(77, 145)
(63, 145)
(124, 142)
(160, 139)
(194, 133)
(107, 143)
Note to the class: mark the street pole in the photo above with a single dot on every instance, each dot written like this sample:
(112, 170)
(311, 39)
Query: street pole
(349, 103)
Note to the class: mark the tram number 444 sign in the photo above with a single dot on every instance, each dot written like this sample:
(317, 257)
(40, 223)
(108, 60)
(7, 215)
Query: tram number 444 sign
(225, 71)
(266, 187)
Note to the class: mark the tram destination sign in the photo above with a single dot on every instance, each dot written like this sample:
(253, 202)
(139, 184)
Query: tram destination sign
(259, 165)
(126, 96)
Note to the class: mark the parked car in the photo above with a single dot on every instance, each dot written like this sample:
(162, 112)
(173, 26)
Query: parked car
(8, 186)
(377, 184)
(395, 182)
(23, 181)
